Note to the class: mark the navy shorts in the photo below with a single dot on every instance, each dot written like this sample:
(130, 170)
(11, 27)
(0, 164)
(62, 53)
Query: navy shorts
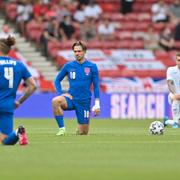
(6, 123)
(82, 109)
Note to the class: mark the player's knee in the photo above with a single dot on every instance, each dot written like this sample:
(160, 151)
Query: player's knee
(57, 101)
(84, 132)
(2, 137)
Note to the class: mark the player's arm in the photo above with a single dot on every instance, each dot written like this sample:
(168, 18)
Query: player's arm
(171, 86)
(59, 78)
(96, 107)
(172, 89)
(30, 88)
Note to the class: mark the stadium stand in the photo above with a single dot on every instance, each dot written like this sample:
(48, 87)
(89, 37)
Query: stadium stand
(126, 25)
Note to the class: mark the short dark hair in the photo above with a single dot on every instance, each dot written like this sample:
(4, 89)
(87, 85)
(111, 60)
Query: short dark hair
(79, 43)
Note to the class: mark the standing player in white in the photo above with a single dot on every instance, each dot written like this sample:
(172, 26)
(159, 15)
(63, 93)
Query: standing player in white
(173, 82)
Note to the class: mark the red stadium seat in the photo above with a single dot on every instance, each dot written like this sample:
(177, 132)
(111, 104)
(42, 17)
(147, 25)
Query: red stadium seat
(34, 30)
(110, 6)
(123, 35)
(2, 5)
(137, 44)
(114, 16)
(109, 45)
(130, 25)
(159, 26)
(177, 45)
(46, 85)
(124, 44)
(60, 61)
(67, 44)
(11, 12)
(53, 47)
(164, 57)
(142, 26)
(172, 54)
(95, 44)
(140, 6)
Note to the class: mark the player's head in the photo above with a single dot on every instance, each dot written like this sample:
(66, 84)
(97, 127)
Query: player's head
(79, 49)
(5, 45)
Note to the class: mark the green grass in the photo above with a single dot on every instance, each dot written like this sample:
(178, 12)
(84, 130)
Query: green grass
(113, 150)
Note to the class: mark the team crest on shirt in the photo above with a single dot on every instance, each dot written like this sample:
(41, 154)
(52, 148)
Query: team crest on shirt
(87, 70)
(72, 74)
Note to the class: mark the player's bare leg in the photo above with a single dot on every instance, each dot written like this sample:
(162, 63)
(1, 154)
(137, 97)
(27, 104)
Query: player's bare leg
(2, 137)
(83, 129)
(59, 104)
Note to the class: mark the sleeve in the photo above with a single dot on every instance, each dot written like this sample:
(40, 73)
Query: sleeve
(96, 81)
(26, 74)
(168, 74)
(59, 78)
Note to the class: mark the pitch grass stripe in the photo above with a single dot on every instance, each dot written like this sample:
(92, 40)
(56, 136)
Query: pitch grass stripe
(108, 142)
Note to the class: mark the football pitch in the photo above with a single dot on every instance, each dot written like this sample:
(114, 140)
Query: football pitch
(113, 150)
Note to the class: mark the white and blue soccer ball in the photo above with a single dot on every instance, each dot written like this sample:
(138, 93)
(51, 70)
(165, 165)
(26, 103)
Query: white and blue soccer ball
(156, 128)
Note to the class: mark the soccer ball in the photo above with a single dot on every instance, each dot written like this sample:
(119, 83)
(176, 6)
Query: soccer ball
(156, 128)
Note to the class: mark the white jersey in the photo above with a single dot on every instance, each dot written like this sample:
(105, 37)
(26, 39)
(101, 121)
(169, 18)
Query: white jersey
(173, 73)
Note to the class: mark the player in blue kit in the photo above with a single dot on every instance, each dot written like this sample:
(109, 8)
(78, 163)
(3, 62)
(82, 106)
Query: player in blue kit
(81, 75)
(11, 74)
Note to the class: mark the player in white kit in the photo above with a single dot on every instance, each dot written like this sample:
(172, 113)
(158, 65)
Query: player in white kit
(173, 82)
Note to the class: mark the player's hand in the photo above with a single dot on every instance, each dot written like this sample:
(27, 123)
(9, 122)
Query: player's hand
(176, 97)
(170, 98)
(67, 95)
(16, 104)
(96, 110)
(96, 107)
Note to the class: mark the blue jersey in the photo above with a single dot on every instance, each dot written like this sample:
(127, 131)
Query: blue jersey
(81, 77)
(11, 74)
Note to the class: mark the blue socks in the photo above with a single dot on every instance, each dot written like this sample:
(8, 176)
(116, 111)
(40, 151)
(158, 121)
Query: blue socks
(11, 139)
(60, 121)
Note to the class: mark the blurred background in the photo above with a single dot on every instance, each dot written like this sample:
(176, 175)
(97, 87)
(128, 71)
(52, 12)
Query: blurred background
(132, 42)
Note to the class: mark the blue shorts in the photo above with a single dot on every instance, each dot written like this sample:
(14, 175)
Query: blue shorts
(82, 109)
(6, 123)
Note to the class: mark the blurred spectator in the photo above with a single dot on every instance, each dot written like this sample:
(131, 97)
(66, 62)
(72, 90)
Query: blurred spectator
(38, 9)
(151, 38)
(177, 32)
(126, 6)
(24, 14)
(159, 12)
(88, 30)
(50, 33)
(86, 2)
(50, 12)
(79, 14)
(62, 11)
(45, 1)
(166, 39)
(174, 12)
(106, 29)
(71, 5)
(66, 29)
(5, 32)
(93, 10)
